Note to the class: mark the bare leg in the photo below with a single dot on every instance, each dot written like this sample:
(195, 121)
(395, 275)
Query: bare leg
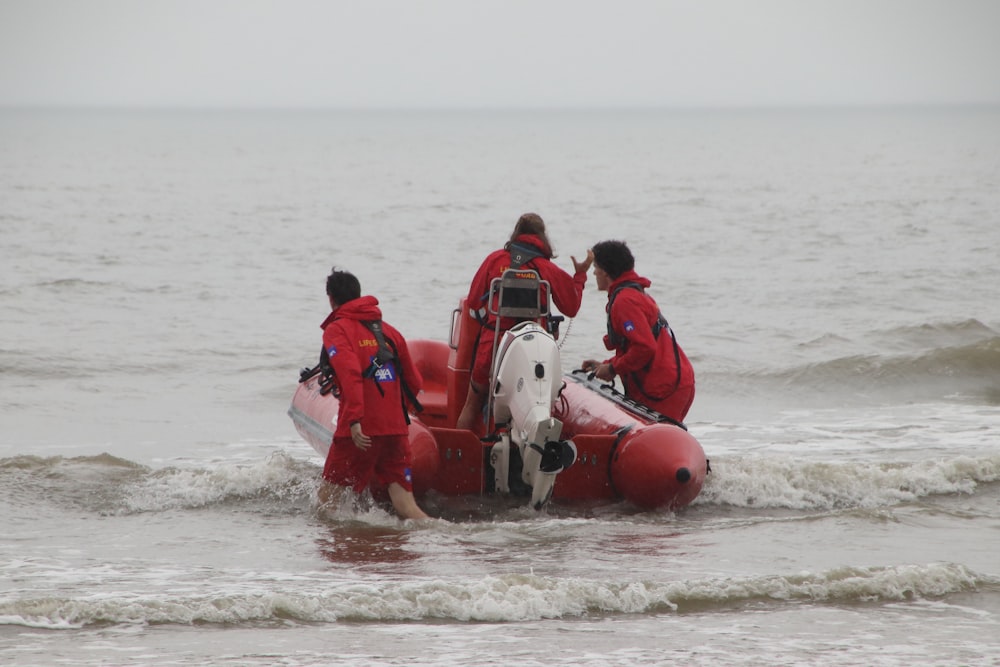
(472, 413)
(404, 502)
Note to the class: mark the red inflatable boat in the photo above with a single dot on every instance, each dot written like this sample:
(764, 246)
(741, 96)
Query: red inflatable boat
(622, 449)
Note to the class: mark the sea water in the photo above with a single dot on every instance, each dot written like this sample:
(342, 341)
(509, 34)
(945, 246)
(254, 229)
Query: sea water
(832, 274)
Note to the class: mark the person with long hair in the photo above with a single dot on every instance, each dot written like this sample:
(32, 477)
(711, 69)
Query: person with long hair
(528, 248)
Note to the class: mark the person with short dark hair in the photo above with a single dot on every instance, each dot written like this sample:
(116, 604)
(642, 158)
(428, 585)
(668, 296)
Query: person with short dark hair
(529, 248)
(653, 367)
(371, 436)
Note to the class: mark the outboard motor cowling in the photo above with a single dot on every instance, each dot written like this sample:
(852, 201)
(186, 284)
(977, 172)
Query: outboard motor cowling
(527, 379)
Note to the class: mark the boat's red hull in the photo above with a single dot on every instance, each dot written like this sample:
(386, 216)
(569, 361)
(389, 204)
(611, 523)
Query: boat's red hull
(622, 452)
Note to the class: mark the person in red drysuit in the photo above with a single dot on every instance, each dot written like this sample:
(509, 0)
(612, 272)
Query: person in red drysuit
(371, 437)
(530, 245)
(653, 367)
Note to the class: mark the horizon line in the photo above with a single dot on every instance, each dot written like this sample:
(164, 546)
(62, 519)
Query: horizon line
(482, 108)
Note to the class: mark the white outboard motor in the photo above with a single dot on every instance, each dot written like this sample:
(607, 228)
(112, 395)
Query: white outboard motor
(526, 380)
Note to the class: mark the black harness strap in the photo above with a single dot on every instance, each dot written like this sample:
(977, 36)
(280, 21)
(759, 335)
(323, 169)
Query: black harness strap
(387, 353)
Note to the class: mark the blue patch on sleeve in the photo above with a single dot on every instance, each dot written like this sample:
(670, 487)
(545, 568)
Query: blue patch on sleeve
(331, 351)
(629, 327)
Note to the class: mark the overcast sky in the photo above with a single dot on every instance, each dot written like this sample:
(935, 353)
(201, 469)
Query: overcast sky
(492, 53)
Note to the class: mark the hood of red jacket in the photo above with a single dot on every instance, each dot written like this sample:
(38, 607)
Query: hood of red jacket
(532, 240)
(362, 309)
(629, 276)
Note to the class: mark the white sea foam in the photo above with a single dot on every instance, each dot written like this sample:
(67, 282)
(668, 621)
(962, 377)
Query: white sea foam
(762, 481)
(277, 477)
(507, 598)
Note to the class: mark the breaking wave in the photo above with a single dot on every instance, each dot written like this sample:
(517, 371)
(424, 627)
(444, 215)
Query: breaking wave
(790, 483)
(108, 485)
(505, 598)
